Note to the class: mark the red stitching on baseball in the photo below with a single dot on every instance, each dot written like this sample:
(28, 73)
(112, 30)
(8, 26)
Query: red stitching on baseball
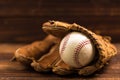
(64, 43)
(77, 49)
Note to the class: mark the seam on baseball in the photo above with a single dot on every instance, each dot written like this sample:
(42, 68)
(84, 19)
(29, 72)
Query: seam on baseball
(77, 50)
(64, 44)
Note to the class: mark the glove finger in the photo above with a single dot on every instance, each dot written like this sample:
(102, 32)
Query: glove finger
(35, 50)
(47, 61)
(62, 69)
(85, 71)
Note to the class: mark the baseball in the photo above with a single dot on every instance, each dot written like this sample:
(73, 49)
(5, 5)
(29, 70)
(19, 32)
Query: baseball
(76, 50)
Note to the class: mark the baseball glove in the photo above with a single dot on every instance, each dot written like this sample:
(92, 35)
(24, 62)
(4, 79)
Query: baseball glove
(51, 61)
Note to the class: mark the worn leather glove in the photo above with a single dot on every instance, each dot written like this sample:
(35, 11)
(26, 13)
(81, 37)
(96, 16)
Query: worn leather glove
(50, 59)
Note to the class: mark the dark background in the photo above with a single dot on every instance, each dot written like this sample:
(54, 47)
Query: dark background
(21, 20)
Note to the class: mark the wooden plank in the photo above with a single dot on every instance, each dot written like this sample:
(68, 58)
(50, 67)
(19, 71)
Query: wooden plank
(20, 20)
(14, 70)
(46, 7)
(65, 11)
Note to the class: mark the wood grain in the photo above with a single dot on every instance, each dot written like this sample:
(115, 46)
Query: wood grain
(16, 71)
(21, 20)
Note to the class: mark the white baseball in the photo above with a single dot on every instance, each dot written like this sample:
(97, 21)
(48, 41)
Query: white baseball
(76, 50)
